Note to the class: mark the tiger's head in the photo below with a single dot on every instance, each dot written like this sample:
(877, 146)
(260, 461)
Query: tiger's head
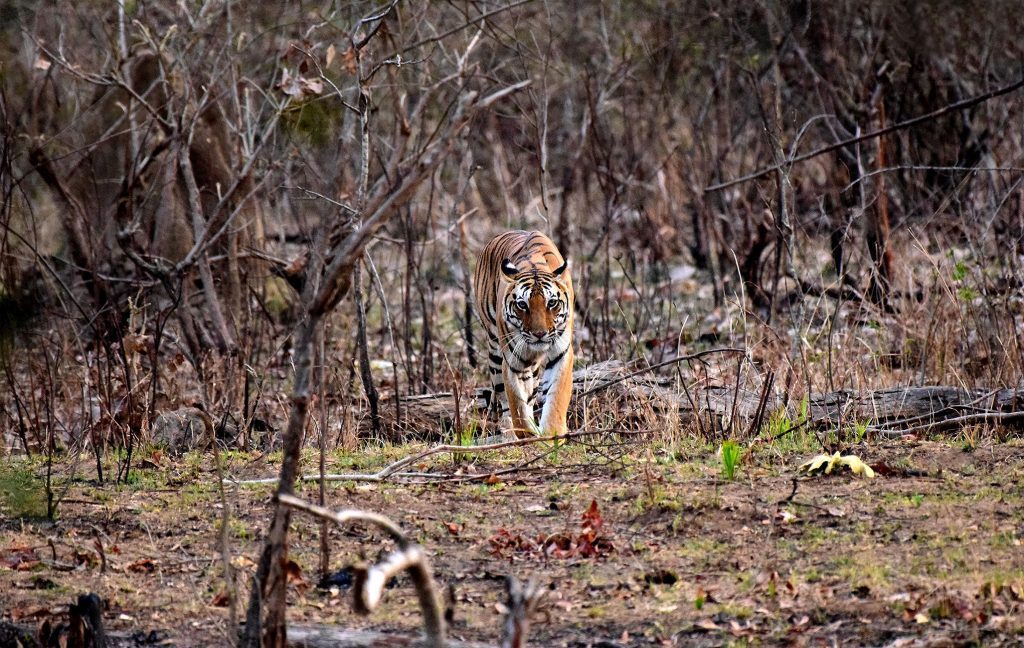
(537, 302)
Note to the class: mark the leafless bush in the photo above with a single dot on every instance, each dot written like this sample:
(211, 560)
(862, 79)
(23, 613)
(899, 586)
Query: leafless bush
(169, 173)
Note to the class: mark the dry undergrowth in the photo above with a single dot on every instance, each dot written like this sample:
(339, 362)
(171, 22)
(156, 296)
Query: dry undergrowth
(650, 547)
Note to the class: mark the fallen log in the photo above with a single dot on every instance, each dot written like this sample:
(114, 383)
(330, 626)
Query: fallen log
(310, 636)
(913, 404)
(643, 400)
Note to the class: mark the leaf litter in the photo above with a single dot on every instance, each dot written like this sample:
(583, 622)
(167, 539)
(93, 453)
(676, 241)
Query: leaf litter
(927, 551)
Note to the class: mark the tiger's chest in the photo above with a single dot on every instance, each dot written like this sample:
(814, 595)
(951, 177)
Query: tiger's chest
(521, 352)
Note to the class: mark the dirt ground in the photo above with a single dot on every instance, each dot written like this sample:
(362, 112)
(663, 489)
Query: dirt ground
(670, 554)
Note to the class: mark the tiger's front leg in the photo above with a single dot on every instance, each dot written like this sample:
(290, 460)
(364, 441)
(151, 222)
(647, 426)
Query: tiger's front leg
(523, 425)
(557, 390)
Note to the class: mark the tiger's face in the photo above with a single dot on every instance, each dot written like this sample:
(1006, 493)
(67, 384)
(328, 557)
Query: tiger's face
(536, 305)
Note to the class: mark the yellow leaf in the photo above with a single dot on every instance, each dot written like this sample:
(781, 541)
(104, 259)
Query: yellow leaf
(828, 462)
(857, 466)
(832, 463)
(814, 464)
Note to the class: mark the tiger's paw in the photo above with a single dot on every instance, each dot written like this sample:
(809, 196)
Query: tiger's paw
(531, 430)
(555, 432)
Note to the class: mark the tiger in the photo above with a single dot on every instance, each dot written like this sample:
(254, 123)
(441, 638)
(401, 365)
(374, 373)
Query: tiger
(524, 299)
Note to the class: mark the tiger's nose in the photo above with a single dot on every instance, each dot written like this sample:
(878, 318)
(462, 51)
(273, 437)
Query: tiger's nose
(539, 334)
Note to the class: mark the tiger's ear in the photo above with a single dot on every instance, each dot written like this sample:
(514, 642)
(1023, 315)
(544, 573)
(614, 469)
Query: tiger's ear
(562, 268)
(508, 269)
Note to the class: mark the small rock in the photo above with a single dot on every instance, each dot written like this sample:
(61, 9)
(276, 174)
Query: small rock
(182, 430)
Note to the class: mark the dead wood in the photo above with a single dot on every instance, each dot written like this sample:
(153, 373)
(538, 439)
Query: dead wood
(903, 406)
(319, 298)
(892, 128)
(371, 581)
(523, 602)
(639, 397)
(316, 636)
(368, 591)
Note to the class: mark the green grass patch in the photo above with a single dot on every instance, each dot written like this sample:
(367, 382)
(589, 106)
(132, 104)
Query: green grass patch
(22, 493)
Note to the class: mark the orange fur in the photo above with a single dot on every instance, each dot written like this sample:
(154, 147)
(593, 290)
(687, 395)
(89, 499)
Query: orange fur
(524, 299)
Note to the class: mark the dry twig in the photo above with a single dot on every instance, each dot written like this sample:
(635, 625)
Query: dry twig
(369, 585)
(903, 125)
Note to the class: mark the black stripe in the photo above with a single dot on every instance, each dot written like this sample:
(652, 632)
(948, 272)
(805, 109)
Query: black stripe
(495, 358)
(522, 361)
(485, 397)
(554, 361)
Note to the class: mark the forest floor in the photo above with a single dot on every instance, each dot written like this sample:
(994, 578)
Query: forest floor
(647, 545)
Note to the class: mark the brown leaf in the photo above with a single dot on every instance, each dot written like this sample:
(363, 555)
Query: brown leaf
(143, 566)
(348, 61)
(83, 557)
(289, 85)
(220, 599)
(707, 624)
(137, 343)
(293, 574)
(312, 86)
(592, 517)
(452, 527)
(19, 558)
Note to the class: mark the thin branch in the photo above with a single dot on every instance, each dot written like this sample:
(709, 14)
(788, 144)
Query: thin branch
(370, 583)
(666, 363)
(344, 516)
(465, 25)
(199, 227)
(957, 421)
(960, 105)
(928, 167)
(393, 469)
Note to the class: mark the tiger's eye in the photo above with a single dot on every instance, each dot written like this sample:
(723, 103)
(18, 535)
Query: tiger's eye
(552, 304)
(520, 304)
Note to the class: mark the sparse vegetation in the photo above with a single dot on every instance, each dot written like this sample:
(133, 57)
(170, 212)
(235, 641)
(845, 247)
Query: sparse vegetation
(730, 452)
(20, 494)
(250, 227)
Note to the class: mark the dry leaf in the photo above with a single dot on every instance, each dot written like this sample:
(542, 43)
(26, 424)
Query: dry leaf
(220, 599)
(294, 575)
(348, 61)
(143, 566)
(828, 462)
(452, 527)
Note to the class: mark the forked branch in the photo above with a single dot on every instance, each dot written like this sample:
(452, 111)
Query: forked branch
(903, 125)
(370, 582)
